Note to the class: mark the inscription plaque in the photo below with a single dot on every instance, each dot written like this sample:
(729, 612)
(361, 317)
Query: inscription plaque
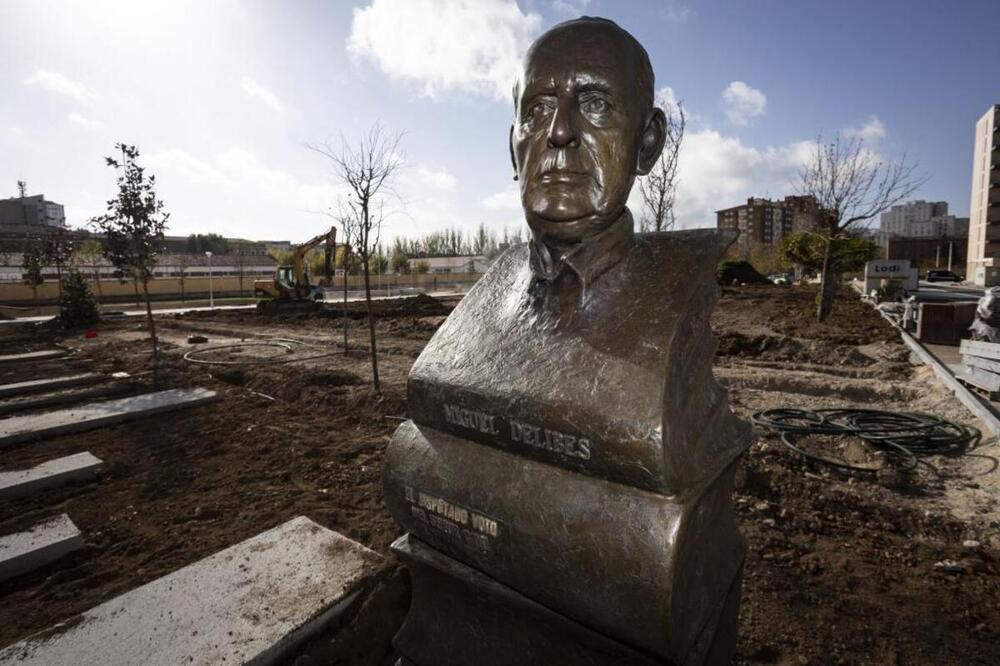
(566, 476)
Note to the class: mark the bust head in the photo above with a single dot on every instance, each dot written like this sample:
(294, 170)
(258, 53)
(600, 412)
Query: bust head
(584, 128)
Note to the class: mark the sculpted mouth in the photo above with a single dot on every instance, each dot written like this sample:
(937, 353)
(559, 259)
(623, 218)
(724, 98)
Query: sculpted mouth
(555, 177)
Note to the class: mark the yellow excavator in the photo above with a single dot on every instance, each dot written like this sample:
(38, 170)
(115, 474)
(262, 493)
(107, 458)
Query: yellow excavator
(290, 289)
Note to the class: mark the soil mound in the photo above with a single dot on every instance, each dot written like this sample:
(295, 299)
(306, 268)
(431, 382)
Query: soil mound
(784, 348)
(739, 272)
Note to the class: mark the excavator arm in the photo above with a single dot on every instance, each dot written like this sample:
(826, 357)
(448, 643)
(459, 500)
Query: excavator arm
(290, 287)
(300, 251)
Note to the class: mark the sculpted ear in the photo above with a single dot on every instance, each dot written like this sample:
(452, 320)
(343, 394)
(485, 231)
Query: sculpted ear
(653, 135)
(510, 145)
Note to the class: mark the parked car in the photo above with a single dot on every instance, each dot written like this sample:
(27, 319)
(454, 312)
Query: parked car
(943, 276)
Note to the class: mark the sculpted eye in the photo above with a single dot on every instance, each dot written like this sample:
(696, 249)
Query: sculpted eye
(538, 110)
(596, 105)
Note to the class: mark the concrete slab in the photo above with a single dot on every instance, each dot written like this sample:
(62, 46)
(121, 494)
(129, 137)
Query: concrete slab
(27, 357)
(51, 384)
(42, 544)
(94, 415)
(70, 396)
(50, 474)
(254, 602)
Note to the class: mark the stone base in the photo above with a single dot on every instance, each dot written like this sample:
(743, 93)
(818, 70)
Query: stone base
(647, 569)
(460, 617)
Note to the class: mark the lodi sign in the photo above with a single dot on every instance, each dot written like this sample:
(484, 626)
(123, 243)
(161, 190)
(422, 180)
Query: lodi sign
(887, 268)
(890, 269)
(565, 479)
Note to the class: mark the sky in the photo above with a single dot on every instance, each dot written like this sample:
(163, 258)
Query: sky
(222, 96)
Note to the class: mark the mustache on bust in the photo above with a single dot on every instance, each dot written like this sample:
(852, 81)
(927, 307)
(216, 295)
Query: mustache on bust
(562, 162)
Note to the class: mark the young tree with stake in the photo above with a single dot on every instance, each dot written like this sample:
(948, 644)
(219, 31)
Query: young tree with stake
(134, 226)
(90, 254)
(58, 252)
(851, 184)
(33, 261)
(368, 168)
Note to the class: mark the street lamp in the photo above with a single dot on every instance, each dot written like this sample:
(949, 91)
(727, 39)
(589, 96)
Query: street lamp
(211, 297)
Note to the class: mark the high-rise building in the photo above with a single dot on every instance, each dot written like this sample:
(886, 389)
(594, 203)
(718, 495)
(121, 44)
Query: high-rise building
(922, 219)
(983, 266)
(765, 223)
(32, 210)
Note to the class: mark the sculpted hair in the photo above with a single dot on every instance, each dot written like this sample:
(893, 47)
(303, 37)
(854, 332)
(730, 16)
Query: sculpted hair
(645, 82)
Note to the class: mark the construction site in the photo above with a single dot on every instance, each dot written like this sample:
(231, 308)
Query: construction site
(273, 419)
(499, 333)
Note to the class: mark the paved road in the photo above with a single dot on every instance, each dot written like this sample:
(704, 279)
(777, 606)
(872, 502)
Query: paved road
(170, 311)
(938, 292)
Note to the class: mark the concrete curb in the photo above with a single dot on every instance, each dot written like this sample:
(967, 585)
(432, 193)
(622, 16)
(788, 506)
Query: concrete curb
(964, 395)
(51, 384)
(28, 357)
(253, 603)
(42, 544)
(16, 429)
(68, 396)
(49, 474)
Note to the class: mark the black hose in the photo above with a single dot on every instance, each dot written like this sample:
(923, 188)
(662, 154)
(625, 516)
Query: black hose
(908, 435)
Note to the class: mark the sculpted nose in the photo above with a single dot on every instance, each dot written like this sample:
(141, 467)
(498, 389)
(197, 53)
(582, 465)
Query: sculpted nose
(563, 131)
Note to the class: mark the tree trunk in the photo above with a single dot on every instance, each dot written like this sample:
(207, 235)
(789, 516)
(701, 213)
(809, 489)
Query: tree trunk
(345, 301)
(149, 318)
(59, 291)
(828, 284)
(371, 329)
(97, 281)
(34, 293)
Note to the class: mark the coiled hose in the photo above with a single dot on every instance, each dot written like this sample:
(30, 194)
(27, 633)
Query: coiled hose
(908, 435)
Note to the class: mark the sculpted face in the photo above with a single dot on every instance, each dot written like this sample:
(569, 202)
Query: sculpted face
(581, 132)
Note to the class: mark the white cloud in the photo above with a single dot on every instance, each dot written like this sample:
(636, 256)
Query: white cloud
(439, 180)
(83, 121)
(234, 189)
(873, 130)
(718, 171)
(61, 85)
(570, 8)
(254, 89)
(508, 199)
(666, 99)
(676, 13)
(742, 103)
(445, 46)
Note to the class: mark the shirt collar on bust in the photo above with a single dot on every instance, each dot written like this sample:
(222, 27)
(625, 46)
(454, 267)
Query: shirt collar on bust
(589, 259)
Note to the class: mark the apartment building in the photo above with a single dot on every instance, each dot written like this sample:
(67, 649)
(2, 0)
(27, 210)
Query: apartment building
(765, 222)
(983, 265)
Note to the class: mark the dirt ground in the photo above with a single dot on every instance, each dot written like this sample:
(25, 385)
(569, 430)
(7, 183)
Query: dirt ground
(841, 567)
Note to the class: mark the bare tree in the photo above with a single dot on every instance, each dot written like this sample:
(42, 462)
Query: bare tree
(659, 187)
(241, 266)
(851, 185)
(368, 168)
(345, 216)
(59, 248)
(33, 263)
(90, 255)
(183, 262)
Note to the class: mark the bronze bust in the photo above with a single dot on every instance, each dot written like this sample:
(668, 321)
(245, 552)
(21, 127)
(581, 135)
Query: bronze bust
(585, 126)
(566, 475)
